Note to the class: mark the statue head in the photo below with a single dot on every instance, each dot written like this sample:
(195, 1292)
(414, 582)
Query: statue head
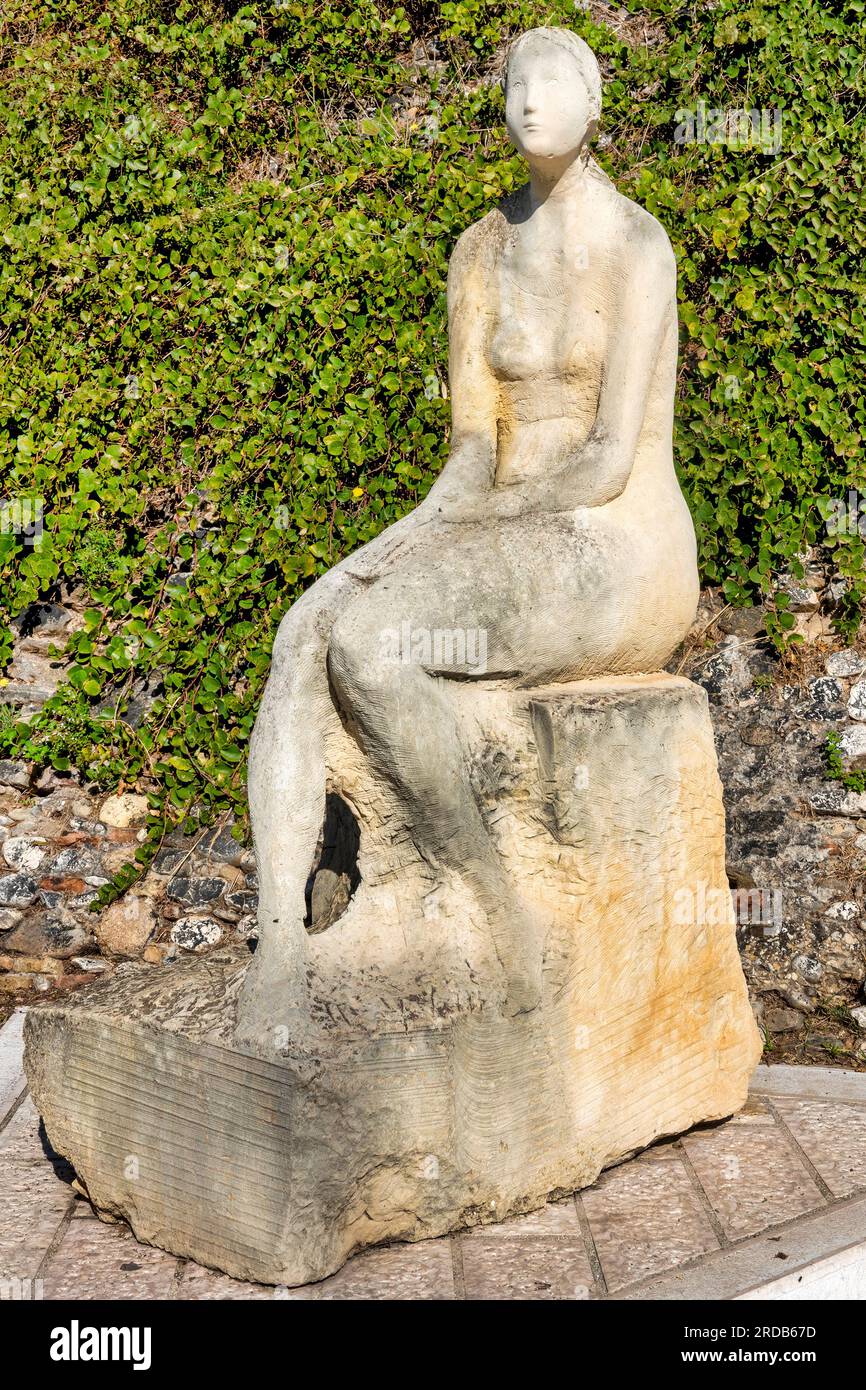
(552, 96)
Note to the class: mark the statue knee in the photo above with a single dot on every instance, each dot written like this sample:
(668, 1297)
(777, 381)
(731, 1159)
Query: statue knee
(358, 659)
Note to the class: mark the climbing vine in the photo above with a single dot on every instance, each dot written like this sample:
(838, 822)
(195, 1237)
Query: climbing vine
(225, 231)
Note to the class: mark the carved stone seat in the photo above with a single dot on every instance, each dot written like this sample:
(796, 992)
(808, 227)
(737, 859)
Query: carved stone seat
(409, 1105)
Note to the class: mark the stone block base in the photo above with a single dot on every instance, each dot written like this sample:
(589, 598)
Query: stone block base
(411, 1106)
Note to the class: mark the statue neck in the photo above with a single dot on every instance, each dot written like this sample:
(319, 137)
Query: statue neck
(558, 182)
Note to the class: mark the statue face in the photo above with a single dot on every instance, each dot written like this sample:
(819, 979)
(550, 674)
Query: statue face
(547, 105)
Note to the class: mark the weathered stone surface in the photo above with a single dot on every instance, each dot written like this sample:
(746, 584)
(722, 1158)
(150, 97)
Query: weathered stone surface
(14, 774)
(124, 810)
(845, 663)
(126, 925)
(824, 700)
(195, 892)
(45, 619)
(784, 1020)
(17, 982)
(221, 844)
(17, 890)
(196, 933)
(31, 965)
(742, 622)
(410, 1104)
(801, 598)
(791, 833)
(23, 854)
(857, 701)
(852, 746)
(41, 934)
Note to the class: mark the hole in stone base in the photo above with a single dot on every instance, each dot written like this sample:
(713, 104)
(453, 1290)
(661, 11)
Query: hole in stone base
(335, 876)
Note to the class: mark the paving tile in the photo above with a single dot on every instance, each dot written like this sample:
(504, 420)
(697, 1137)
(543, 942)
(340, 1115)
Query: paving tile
(539, 1256)
(20, 1140)
(34, 1202)
(99, 1261)
(752, 1177)
(12, 1081)
(201, 1285)
(833, 1136)
(557, 1219)
(645, 1217)
(421, 1271)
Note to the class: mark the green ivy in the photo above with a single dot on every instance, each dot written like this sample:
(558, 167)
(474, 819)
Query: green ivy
(225, 232)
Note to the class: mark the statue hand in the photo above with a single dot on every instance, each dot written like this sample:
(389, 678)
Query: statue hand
(596, 474)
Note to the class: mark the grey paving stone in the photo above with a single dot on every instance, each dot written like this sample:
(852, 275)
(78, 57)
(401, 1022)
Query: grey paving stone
(646, 1217)
(752, 1177)
(539, 1256)
(833, 1137)
(98, 1261)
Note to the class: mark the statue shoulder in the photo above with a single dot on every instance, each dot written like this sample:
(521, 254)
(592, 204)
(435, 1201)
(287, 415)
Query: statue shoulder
(478, 244)
(646, 237)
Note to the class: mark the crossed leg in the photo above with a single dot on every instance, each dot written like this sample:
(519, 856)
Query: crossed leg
(401, 709)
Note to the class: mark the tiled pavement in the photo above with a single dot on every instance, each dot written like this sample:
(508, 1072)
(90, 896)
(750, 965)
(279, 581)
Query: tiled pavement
(787, 1171)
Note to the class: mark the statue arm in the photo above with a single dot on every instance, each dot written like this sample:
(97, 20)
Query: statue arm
(642, 316)
(468, 474)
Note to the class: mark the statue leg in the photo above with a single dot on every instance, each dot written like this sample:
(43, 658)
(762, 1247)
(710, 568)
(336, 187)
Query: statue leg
(402, 714)
(286, 788)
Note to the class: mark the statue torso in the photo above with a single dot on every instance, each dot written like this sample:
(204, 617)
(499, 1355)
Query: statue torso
(550, 299)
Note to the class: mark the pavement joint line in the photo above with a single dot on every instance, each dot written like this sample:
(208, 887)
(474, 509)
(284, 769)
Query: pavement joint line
(14, 1107)
(800, 1152)
(57, 1239)
(590, 1246)
(457, 1271)
(700, 1192)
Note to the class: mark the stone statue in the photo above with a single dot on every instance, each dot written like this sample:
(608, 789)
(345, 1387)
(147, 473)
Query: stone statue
(516, 963)
(557, 530)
